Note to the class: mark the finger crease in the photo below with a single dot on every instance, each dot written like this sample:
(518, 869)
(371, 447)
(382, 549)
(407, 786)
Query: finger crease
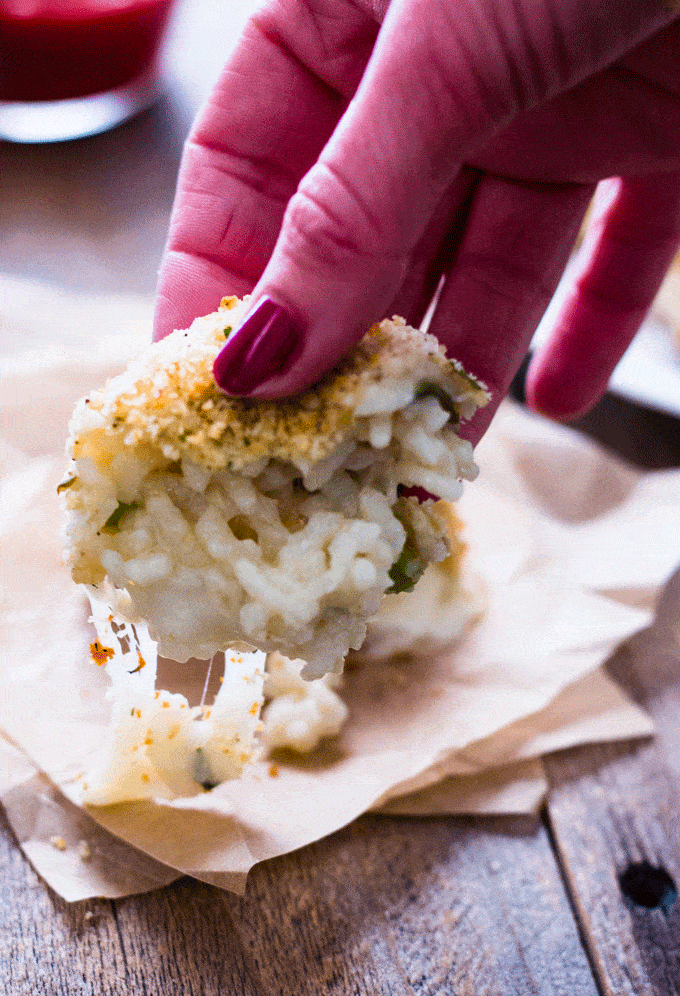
(264, 170)
(509, 281)
(612, 302)
(218, 261)
(369, 215)
(354, 245)
(276, 39)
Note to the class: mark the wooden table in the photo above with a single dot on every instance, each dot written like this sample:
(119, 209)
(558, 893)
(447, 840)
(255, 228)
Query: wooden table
(397, 906)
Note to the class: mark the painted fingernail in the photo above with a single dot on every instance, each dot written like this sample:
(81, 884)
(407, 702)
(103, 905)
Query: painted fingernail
(265, 345)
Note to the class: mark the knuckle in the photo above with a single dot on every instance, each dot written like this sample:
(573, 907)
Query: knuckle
(328, 222)
(502, 279)
(498, 58)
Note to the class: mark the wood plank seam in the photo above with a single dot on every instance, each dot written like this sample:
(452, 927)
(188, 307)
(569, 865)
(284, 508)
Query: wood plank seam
(572, 898)
(121, 940)
(612, 808)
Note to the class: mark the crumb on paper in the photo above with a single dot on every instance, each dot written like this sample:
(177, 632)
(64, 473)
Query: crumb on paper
(84, 850)
(58, 843)
(274, 771)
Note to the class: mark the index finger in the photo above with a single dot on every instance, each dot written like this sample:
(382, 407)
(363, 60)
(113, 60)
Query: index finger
(271, 112)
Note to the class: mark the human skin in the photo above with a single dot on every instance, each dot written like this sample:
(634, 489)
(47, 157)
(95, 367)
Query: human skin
(354, 153)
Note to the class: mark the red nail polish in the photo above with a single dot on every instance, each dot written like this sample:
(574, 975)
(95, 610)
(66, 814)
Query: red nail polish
(265, 345)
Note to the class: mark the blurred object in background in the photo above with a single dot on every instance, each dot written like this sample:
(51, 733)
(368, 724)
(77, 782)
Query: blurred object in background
(92, 215)
(667, 303)
(70, 68)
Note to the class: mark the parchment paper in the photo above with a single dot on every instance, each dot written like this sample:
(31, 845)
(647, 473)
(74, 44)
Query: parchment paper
(573, 546)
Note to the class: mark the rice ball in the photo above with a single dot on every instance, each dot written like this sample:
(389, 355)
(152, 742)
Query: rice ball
(279, 524)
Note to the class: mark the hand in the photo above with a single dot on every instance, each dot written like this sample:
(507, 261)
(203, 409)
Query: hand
(342, 168)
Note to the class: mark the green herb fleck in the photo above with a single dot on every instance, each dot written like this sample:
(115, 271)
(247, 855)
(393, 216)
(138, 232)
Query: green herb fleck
(202, 772)
(406, 570)
(113, 522)
(68, 483)
(428, 389)
(227, 332)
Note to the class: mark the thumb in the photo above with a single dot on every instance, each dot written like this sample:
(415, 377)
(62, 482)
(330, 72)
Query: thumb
(441, 80)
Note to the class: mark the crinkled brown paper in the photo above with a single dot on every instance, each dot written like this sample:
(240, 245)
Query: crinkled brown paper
(573, 546)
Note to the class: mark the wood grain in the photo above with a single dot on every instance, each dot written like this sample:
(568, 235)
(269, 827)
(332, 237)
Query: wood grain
(609, 807)
(614, 805)
(46, 946)
(463, 907)
(429, 906)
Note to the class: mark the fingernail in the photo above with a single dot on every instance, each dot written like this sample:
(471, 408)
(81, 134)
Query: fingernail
(265, 345)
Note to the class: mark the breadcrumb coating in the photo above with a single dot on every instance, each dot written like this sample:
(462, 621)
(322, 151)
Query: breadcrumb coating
(280, 524)
(168, 397)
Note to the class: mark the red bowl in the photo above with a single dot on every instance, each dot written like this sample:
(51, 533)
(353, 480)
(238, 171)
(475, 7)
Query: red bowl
(57, 50)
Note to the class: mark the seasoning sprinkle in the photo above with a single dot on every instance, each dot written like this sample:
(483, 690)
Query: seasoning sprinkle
(100, 655)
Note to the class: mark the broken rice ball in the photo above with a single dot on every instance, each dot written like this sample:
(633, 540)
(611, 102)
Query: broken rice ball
(279, 524)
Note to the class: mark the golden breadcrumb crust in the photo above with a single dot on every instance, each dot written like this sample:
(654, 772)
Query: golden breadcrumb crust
(168, 397)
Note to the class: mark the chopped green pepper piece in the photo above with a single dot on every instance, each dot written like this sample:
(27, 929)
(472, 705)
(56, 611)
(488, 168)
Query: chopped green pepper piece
(114, 520)
(406, 570)
(68, 483)
(428, 389)
(227, 331)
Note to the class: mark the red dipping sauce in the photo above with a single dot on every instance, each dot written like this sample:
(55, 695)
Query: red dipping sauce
(60, 49)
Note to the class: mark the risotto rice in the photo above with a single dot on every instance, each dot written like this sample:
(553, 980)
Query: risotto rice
(281, 524)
